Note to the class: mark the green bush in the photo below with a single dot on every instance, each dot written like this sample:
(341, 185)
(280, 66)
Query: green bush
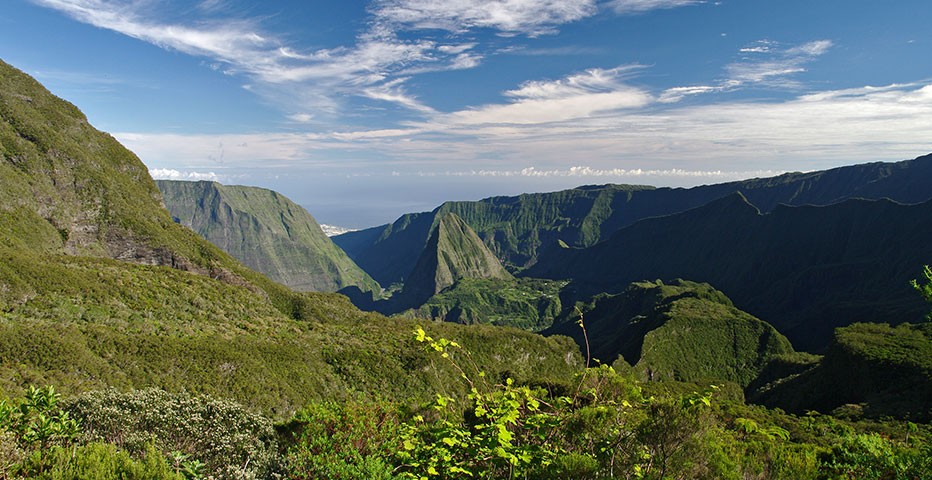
(346, 441)
(103, 461)
(230, 441)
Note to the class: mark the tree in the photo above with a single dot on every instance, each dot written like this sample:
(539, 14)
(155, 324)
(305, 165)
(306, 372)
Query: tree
(925, 288)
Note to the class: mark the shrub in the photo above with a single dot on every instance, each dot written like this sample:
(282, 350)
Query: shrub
(230, 441)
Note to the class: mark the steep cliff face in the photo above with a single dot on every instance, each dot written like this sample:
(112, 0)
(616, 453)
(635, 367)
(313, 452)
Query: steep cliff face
(267, 232)
(453, 252)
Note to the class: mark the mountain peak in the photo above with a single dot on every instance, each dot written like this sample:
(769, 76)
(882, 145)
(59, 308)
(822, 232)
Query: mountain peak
(453, 252)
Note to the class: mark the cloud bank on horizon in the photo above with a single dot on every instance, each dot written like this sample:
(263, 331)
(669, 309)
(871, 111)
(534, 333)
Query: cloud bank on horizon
(688, 91)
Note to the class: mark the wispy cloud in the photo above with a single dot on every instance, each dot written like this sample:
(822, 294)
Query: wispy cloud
(526, 17)
(373, 67)
(539, 102)
(763, 63)
(628, 7)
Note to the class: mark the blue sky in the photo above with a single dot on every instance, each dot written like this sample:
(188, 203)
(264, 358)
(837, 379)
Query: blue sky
(361, 111)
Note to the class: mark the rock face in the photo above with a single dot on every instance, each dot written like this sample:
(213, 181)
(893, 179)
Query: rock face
(453, 252)
(267, 232)
(67, 188)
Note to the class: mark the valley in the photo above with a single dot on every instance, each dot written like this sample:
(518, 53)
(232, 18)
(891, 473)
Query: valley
(764, 328)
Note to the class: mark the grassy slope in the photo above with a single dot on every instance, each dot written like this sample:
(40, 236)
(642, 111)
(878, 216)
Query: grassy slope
(267, 232)
(183, 315)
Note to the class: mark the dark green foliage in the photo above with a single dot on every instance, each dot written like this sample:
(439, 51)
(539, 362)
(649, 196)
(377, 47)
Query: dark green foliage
(265, 231)
(347, 441)
(526, 303)
(804, 270)
(682, 331)
(924, 288)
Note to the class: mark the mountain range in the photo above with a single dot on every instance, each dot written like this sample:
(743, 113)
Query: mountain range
(520, 229)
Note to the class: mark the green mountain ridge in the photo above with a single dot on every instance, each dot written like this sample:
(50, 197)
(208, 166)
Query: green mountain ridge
(267, 232)
(521, 229)
(525, 303)
(684, 331)
(805, 270)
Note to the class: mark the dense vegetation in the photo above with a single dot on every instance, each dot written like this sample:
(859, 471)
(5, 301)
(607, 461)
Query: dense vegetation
(682, 331)
(525, 303)
(602, 424)
(870, 370)
(267, 232)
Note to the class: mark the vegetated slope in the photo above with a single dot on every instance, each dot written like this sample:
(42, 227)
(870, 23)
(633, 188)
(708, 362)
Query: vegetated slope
(525, 303)
(682, 330)
(453, 252)
(267, 232)
(518, 229)
(870, 369)
(805, 270)
(180, 313)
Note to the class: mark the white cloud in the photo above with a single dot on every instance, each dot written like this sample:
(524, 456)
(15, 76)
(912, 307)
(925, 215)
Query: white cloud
(529, 17)
(586, 171)
(316, 78)
(675, 94)
(810, 131)
(765, 63)
(301, 117)
(641, 6)
(172, 174)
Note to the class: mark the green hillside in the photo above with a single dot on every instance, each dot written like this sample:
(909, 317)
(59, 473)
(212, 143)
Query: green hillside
(100, 287)
(682, 330)
(521, 229)
(804, 270)
(267, 232)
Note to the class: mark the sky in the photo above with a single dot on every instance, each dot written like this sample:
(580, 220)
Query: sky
(361, 111)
